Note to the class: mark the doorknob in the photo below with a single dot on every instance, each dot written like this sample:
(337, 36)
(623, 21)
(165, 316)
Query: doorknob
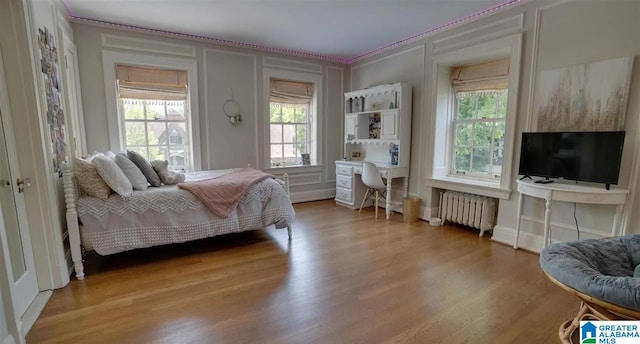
(22, 183)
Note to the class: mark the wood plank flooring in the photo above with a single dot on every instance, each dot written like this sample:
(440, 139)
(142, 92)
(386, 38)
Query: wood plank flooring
(344, 278)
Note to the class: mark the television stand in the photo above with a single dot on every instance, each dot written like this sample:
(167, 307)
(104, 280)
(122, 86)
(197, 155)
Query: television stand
(544, 181)
(566, 192)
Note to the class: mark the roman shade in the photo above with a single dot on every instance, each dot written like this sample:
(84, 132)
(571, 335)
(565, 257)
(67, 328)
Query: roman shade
(489, 75)
(290, 92)
(151, 83)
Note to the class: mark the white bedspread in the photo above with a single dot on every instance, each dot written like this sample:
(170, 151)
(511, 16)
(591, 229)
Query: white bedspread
(167, 214)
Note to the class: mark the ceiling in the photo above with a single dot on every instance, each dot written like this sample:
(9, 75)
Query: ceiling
(338, 30)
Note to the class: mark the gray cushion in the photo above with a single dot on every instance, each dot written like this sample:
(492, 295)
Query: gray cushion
(145, 167)
(602, 269)
(133, 173)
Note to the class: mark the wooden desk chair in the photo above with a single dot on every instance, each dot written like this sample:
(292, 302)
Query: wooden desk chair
(373, 180)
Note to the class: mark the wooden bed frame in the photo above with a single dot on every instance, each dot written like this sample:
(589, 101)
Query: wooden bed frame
(71, 195)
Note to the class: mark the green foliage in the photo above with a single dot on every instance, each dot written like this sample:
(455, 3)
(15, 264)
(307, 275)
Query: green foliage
(475, 138)
(146, 142)
(133, 111)
(297, 135)
(134, 134)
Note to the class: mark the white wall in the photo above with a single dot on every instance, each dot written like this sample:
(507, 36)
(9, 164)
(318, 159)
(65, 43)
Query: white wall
(18, 22)
(51, 15)
(221, 69)
(556, 34)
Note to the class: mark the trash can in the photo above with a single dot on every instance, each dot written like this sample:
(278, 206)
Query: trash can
(411, 208)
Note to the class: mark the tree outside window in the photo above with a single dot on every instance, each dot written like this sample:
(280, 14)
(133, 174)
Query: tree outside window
(289, 133)
(157, 130)
(479, 133)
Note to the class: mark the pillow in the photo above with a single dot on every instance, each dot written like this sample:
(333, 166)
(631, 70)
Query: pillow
(89, 180)
(145, 167)
(113, 175)
(133, 173)
(636, 271)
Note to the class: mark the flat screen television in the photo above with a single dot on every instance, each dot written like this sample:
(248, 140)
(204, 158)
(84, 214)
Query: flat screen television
(582, 156)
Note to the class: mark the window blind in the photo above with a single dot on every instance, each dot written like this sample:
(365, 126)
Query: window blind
(151, 83)
(290, 92)
(489, 75)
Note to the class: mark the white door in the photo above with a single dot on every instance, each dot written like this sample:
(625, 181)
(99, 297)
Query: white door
(16, 230)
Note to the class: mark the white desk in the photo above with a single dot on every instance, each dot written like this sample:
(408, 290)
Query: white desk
(350, 190)
(565, 192)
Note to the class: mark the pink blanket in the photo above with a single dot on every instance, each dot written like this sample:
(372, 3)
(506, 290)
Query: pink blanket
(222, 194)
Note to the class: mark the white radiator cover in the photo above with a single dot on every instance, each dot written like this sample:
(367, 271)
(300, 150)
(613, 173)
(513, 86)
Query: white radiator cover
(468, 210)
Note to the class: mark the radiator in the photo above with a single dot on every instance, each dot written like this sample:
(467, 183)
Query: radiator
(468, 210)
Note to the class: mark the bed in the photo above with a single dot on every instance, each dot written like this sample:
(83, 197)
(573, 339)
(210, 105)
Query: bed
(166, 215)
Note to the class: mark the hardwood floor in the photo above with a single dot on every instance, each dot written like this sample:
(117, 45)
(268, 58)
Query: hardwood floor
(344, 278)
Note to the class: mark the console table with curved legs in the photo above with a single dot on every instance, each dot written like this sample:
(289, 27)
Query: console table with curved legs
(562, 191)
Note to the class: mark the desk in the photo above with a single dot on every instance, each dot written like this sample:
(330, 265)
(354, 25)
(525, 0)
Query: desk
(350, 190)
(565, 192)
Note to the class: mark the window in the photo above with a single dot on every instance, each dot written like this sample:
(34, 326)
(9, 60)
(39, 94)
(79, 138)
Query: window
(474, 91)
(289, 133)
(290, 122)
(146, 124)
(479, 118)
(478, 144)
(154, 111)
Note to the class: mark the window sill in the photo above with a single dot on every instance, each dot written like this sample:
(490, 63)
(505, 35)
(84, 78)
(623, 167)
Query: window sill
(293, 169)
(473, 186)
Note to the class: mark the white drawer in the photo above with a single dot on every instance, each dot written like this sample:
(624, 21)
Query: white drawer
(344, 170)
(344, 195)
(343, 181)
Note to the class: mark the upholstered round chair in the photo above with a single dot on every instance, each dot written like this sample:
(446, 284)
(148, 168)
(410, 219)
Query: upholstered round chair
(601, 274)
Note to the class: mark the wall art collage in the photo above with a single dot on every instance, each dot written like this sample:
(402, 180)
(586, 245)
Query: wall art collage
(55, 112)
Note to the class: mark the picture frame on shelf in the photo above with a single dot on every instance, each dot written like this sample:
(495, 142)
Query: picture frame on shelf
(356, 104)
(306, 159)
(356, 155)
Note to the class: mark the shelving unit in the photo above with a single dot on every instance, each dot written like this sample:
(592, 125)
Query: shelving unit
(389, 126)
(377, 126)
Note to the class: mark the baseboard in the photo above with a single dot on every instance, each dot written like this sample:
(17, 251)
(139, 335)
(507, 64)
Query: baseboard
(527, 241)
(33, 311)
(9, 340)
(313, 195)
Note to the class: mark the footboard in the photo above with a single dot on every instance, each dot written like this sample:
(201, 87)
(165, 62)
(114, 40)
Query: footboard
(285, 180)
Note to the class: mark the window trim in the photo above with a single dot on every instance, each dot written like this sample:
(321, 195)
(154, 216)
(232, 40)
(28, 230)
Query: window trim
(441, 115)
(316, 105)
(114, 116)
